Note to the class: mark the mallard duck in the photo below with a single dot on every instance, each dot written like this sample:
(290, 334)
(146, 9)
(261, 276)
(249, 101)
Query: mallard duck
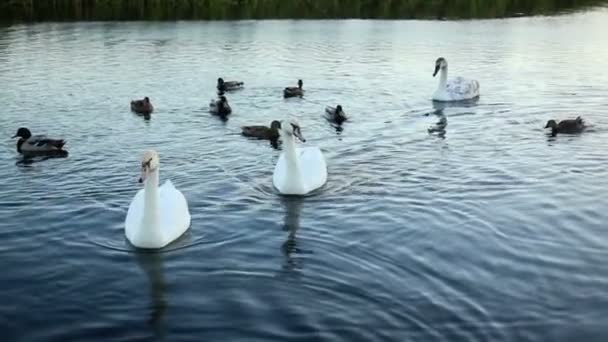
(457, 89)
(335, 114)
(294, 91)
(29, 145)
(142, 106)
(263, 132)
(220, 107)
(223, 86)
(566, 126)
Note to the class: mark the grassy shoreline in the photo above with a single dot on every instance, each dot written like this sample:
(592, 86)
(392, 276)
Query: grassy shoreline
(70, 10)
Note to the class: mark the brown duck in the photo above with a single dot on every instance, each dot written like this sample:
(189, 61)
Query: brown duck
(566, 126)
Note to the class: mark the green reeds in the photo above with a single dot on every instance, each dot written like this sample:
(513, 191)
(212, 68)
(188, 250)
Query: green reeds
(43, 10)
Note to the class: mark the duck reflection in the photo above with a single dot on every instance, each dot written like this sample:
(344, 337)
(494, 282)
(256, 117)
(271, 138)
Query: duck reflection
(25, 161)
(152, 265)
(293, 207)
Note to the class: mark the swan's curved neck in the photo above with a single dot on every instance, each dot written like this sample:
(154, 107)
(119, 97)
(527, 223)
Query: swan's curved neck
(291, 158)
(151, 217)
(443, 78)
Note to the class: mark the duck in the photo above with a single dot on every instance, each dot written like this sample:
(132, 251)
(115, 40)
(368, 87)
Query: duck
(142, 106)
(457, 89)
(294, 91)
(220, 106)
(29, 145)
(566, 126)
(263, 132)
(157, 215)
(298, 171)
(335, 114)
(223, 86)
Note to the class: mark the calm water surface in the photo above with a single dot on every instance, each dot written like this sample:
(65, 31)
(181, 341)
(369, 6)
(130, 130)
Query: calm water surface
(493, 232)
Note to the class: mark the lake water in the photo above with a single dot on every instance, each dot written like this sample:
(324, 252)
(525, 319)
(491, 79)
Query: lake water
(493, 232)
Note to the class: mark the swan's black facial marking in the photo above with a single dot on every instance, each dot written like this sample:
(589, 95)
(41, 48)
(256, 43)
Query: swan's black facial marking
(146, 165)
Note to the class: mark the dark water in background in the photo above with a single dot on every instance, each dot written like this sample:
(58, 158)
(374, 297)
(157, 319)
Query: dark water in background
(494, 232)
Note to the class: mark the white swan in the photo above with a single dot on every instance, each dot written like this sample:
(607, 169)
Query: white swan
(157, 215)
(457, 89)
(298, 170)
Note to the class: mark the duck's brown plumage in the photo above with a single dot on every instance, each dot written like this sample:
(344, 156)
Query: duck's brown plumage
(263, 132)
(566, 126)
(294, 91)
(142, 106)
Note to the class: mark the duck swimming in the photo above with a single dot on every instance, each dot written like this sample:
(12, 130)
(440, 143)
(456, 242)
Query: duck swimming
(566, 126)
(335, 114)
(38, 145)
(142, 106)
(223, 86)
(220, 107)
(157, 215)
(294, 91)
(263, 132)
(457, 89)
(298, 170)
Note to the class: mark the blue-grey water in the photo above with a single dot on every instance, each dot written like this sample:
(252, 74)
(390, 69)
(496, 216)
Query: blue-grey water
(493, 231)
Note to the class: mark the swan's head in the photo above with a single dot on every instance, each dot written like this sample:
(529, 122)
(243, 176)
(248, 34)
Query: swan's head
(300, 84)
(291, 128)
(551, 124)
(149, 163)
(23, 133)
(440, 64)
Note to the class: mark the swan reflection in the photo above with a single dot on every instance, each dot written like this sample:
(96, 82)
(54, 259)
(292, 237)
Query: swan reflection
(152, 265)
(293, 207)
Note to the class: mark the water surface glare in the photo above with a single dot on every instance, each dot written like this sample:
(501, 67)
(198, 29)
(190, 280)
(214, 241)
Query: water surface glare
(491, 232)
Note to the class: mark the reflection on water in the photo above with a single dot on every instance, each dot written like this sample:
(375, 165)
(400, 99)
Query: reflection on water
(151, 263)
(290, 248)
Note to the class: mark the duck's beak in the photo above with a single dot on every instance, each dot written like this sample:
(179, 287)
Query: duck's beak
(14, 136)
(437, 67)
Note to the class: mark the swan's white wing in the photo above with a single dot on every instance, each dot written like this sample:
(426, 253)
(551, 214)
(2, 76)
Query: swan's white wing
(313, 167)
(462, 89)
(134, 215)
(279, 177)
(174, 213)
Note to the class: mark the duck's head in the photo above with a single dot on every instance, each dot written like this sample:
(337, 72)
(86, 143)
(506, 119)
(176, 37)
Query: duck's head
(220, 81)
(149, 163)
(300, 84)
(339, 109)
(23, 133)
(290, 128)
(440, 64)
(223, 99)
(146, 99)
(275, 124)
(551, 124)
